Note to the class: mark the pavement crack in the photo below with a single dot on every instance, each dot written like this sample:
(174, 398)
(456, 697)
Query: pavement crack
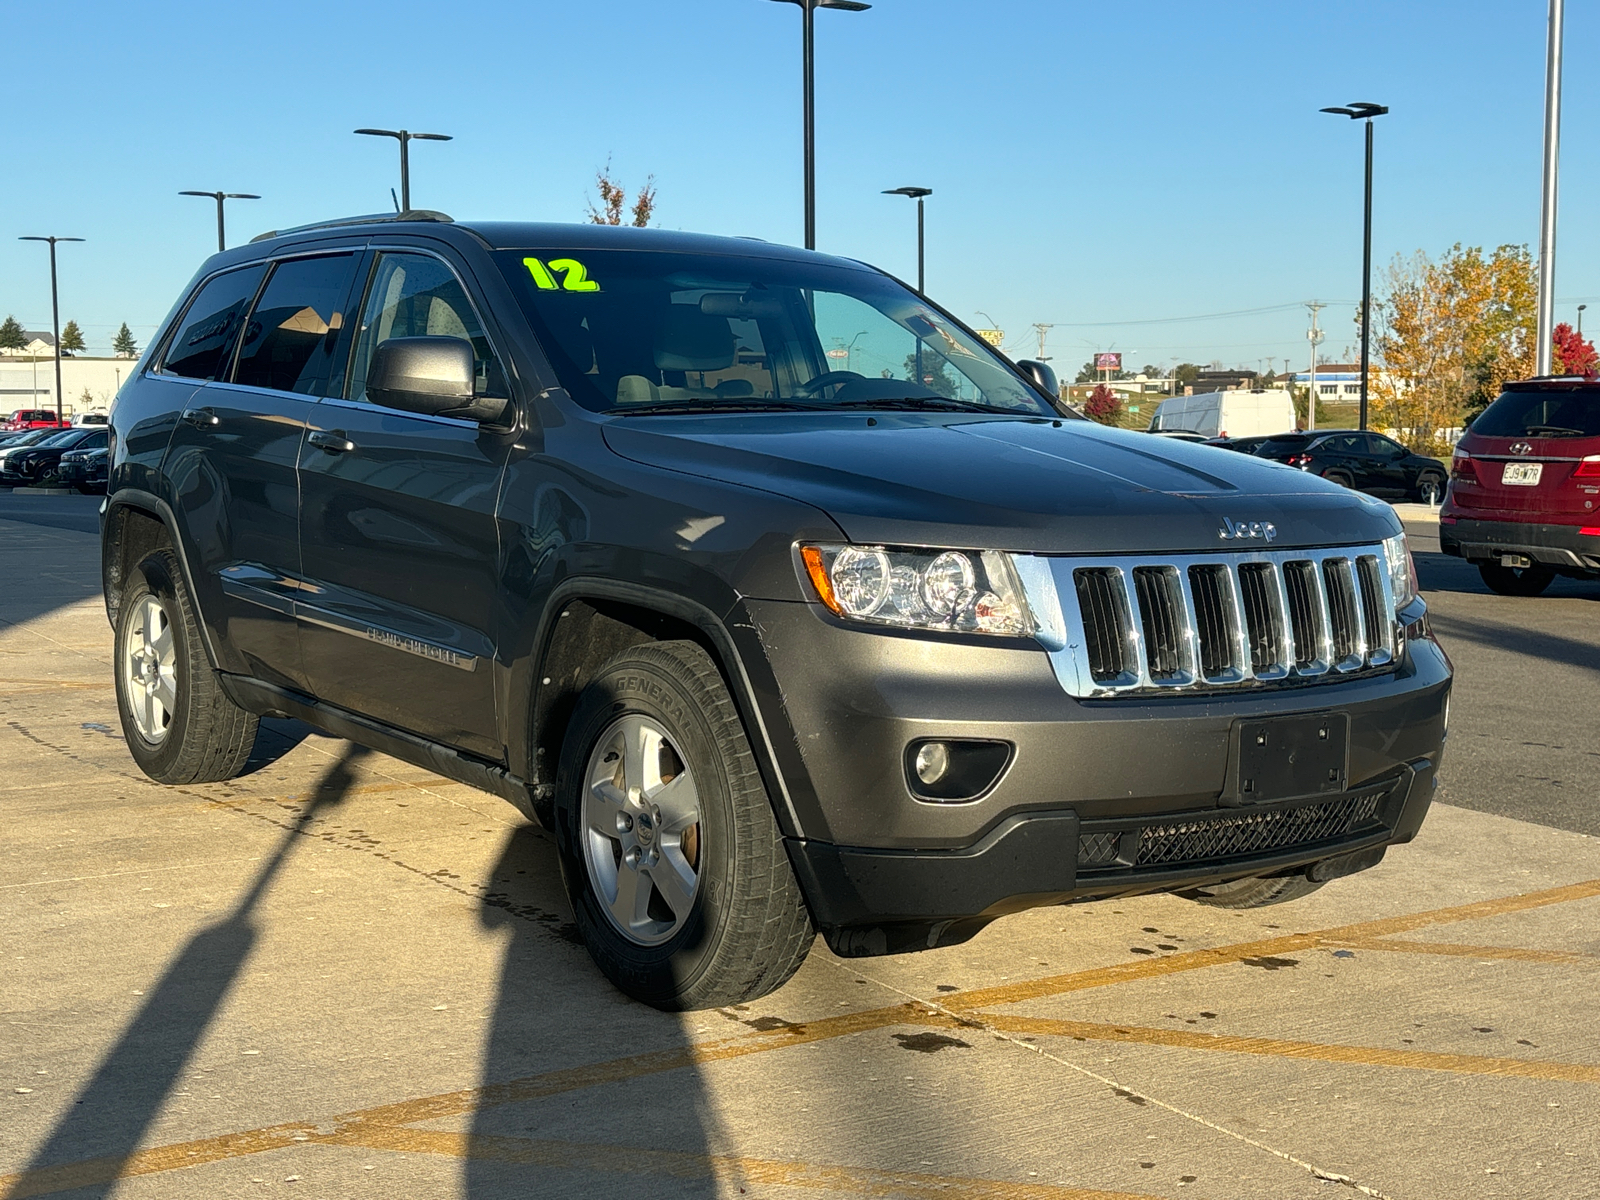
(1121, 1090)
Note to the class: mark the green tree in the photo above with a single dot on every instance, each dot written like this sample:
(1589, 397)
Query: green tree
(72, 339)
(1184, 374)
(12, 336)
(123, 345)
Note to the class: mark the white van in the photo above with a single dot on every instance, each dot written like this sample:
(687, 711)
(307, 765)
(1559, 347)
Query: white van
(1227, 414)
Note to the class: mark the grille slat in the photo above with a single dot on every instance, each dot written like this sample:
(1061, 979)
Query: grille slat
(1232, 834)
(1226, 619)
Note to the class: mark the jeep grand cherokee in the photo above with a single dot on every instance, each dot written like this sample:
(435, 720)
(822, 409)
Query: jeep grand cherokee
(781, 598)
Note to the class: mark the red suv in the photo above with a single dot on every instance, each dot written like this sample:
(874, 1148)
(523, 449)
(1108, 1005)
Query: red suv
(1524, 498)
(32, 418)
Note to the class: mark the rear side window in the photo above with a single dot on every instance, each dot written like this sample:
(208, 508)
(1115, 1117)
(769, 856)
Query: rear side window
(290, 338)
(1563, 414)
(210, 328)
(1282, 445)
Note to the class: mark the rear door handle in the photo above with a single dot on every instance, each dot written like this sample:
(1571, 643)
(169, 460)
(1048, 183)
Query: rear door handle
(334, 441)
(202, 418)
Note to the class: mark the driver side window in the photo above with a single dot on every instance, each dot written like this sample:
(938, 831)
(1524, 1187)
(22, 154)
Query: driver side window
(416, 295)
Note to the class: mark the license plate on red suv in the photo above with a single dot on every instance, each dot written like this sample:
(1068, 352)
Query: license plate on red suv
(1521, 474)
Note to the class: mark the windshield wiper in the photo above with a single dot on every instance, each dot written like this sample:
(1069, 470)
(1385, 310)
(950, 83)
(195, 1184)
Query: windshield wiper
(1551, 431)
(679, 407)
(932, 404)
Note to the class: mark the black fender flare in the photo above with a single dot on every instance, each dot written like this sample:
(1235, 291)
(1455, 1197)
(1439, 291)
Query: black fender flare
(153, 506)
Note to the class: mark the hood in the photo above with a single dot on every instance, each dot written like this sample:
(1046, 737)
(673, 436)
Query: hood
(1024, 484)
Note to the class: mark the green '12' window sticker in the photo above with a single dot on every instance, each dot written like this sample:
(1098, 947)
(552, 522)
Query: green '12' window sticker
(574, 275)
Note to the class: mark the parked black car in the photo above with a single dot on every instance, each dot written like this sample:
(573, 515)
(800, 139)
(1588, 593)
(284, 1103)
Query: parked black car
(1368, 462)
(34, 463)
(83, 469)
(591, 518)
(1243, 445)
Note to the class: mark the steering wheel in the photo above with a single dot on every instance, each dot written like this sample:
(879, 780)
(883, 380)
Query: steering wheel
(812, 388)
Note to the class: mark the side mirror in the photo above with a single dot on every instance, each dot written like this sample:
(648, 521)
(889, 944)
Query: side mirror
(429, 375)
(1042, 377)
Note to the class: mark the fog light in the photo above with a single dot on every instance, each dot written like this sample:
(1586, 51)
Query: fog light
(933, 762)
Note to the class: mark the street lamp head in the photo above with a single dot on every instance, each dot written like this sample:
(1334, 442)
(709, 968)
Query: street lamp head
(394, 133)
(1358, 110)
(431, 137)
(240, 196)
(912, 192)
(846, 5)
(51, 240)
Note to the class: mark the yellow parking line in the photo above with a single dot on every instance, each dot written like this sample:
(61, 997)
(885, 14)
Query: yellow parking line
(1193, 960)
(723, 1168)
(1459, 1064)
(1460, 950)
(353, 1125)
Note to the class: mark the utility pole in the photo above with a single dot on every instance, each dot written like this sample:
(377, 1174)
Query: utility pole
(1040, 328)
(1314, 336)
(55, 312)
(1547, 206)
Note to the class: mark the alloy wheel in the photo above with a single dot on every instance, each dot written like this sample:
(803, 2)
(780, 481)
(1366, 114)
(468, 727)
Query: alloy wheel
(641, 830)
(149, 669)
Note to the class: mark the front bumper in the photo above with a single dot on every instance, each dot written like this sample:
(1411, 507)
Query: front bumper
(1100, 796)
(1560, 546)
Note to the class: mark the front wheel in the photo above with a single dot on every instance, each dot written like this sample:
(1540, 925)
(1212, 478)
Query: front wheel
(1516, 581)
(677, 872)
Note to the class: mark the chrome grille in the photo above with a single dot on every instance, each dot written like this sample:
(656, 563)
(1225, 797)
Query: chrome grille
(1137, 626)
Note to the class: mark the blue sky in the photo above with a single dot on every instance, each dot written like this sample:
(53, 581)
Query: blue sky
(1096, 166)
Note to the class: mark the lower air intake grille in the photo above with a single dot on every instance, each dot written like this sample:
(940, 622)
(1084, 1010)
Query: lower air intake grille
(1232, 834)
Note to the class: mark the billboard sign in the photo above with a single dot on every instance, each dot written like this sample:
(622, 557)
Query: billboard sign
(1109, 361)
(993, 336)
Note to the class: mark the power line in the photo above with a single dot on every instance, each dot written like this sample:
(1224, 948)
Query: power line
(1242, 312)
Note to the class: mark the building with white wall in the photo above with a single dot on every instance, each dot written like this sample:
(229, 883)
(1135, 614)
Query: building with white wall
(87, 384)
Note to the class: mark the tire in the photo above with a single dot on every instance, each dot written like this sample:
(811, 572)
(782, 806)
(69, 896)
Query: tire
(179, 724)
(1254, 892)
(1516, 581)
(736, 927)
(1430, 488)
(1342, 478)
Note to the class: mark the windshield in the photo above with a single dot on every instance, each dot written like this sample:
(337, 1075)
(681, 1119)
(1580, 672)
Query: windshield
(70, 437)
(32, 438)
(642, 331)
(1541, 414)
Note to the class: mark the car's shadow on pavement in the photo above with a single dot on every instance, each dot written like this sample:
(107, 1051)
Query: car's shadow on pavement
(91, 1145)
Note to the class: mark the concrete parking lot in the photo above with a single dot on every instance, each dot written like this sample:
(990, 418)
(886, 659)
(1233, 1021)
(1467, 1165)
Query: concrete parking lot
(339, 976)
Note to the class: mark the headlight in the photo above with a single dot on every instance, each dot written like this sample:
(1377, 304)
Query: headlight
(1402, 571)
(962, 591)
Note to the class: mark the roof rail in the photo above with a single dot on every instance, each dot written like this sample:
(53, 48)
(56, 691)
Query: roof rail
(413, 214)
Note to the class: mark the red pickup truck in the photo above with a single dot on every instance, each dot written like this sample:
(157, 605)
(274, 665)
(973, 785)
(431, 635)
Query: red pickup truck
(32, 418)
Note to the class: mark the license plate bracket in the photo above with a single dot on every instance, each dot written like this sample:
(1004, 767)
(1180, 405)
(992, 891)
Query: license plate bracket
(1283, 757)
(1521, 474)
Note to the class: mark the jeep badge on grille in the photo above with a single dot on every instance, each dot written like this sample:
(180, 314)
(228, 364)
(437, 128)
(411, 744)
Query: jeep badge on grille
(1237, 530)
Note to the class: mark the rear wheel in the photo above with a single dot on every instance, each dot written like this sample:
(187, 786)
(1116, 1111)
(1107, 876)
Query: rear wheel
(1254, 892)
(1516, 581)
(1430, 487)
(1342, 478)
(677, 872)
(179, 724)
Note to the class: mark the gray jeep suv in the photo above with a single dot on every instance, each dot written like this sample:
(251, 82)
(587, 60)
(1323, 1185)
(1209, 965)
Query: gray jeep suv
(782, 599)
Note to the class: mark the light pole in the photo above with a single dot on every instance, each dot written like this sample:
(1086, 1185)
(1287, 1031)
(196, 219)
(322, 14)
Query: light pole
(405, 137)
(55, 309)
(219, 197)
(808, 91)
(1581, 307)
(1547, 203)
(1362, 110)
(917, 194)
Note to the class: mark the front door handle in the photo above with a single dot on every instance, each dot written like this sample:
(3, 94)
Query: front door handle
(202, 418)
(333, 441)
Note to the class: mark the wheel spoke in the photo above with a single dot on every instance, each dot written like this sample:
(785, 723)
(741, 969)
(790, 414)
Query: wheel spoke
(679, 802)
(147, 703)
(633, 897)
(675, 880)
(162, 645)
(166, 695)
(606, 802)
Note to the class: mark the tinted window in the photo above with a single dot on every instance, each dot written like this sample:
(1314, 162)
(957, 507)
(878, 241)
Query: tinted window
(1344, 444)
(1282, 445)
(206, 336)
(1384, 448)
(1574, 413)
(290, 338)
(70, 438)
(416, 295)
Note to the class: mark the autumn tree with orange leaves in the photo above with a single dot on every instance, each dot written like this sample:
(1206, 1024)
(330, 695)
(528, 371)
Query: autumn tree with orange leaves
(1449, 332)
(614, 198)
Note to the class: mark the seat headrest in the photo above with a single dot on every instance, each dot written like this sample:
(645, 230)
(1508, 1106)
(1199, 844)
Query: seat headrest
(690, 340)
